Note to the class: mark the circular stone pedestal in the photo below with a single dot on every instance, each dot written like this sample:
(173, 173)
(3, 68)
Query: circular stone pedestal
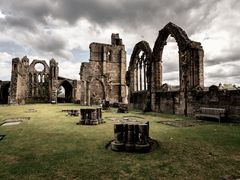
(117, 146)
(142, 148)
(129, 147)
(131, 137)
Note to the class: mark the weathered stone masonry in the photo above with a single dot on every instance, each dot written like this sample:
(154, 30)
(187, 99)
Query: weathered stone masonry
(103, 78)
(29, 85)
(144, 79)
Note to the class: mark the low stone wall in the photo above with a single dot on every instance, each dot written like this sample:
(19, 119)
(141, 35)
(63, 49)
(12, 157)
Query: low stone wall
(138, 100)
(173, 102)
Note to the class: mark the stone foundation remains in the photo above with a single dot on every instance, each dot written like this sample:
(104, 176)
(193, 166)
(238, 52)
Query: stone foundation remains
(91, 116)
(131, 137)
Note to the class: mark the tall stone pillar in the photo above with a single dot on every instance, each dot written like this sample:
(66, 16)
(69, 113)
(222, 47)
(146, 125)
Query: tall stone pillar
(53, 83)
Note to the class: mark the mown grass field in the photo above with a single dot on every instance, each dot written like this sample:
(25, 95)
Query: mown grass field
(51, 146)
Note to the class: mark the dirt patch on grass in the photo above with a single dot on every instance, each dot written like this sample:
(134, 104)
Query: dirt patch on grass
(183, 123)
(126, 119)
(10, 159)
(13, 121)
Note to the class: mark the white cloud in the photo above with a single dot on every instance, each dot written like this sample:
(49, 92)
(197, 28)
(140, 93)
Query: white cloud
(2, 16)
(5, 66)
(69, 69)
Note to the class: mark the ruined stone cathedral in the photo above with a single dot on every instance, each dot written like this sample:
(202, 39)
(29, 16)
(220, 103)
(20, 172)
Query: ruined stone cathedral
(102, 79)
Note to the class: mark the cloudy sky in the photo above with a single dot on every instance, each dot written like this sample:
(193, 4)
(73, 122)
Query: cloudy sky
(63, 30)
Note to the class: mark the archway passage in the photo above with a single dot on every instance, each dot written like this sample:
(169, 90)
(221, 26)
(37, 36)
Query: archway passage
(4, 93)
(190, 58)
(65, 92)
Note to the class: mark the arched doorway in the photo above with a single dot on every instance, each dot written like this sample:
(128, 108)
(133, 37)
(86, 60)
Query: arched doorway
(4, 93)
(97, 92)
(190, 57)
(65, 92)
(190, 65)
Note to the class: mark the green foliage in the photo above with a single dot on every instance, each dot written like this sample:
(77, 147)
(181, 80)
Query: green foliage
(51, 146)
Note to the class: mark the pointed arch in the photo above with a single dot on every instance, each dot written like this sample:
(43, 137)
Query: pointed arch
(68, 94)
(190, 68)
(141, 46)
(175, 31)
(190, 57)
(97, 91)
(138, 76)
(4, 93)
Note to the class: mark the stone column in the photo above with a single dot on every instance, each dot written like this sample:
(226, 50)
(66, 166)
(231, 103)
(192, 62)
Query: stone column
(144, 75)
(136, 78)
(142, 145)
(140, 74)
(88, 95)
(130, 146)
(118, 143)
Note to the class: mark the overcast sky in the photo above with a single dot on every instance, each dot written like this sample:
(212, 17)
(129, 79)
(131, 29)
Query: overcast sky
(63, 30)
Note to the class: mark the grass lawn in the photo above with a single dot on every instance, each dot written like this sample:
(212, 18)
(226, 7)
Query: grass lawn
(51, 146)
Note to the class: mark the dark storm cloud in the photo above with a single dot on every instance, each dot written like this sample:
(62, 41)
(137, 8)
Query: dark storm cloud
(133, 15)
(11, 47)
(223, 59)
(21, 23)
(50, 43)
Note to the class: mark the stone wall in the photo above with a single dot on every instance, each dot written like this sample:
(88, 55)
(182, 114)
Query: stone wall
(103, 78)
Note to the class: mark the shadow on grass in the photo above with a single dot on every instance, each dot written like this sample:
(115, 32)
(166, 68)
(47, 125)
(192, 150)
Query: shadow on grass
(1, 137)
(154, 146)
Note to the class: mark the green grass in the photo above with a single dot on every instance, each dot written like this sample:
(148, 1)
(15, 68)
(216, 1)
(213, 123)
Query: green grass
(51, 146)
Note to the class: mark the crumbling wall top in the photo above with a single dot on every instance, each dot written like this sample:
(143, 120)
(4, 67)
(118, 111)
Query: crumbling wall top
(116, 40)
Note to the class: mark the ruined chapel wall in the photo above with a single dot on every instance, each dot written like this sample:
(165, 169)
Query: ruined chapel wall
(19, 78)
(104, 76)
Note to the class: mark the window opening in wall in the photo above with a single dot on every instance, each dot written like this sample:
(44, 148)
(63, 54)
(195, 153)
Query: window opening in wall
(39, 78)
(39, 67)
(109, 55)
(15, 67)
(170, 63)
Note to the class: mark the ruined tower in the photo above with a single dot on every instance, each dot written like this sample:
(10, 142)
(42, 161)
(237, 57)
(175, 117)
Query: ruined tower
(103, 78)
(19, 79)
(53, 83)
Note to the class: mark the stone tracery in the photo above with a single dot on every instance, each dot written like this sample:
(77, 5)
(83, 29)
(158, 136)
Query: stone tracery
(190, 61)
